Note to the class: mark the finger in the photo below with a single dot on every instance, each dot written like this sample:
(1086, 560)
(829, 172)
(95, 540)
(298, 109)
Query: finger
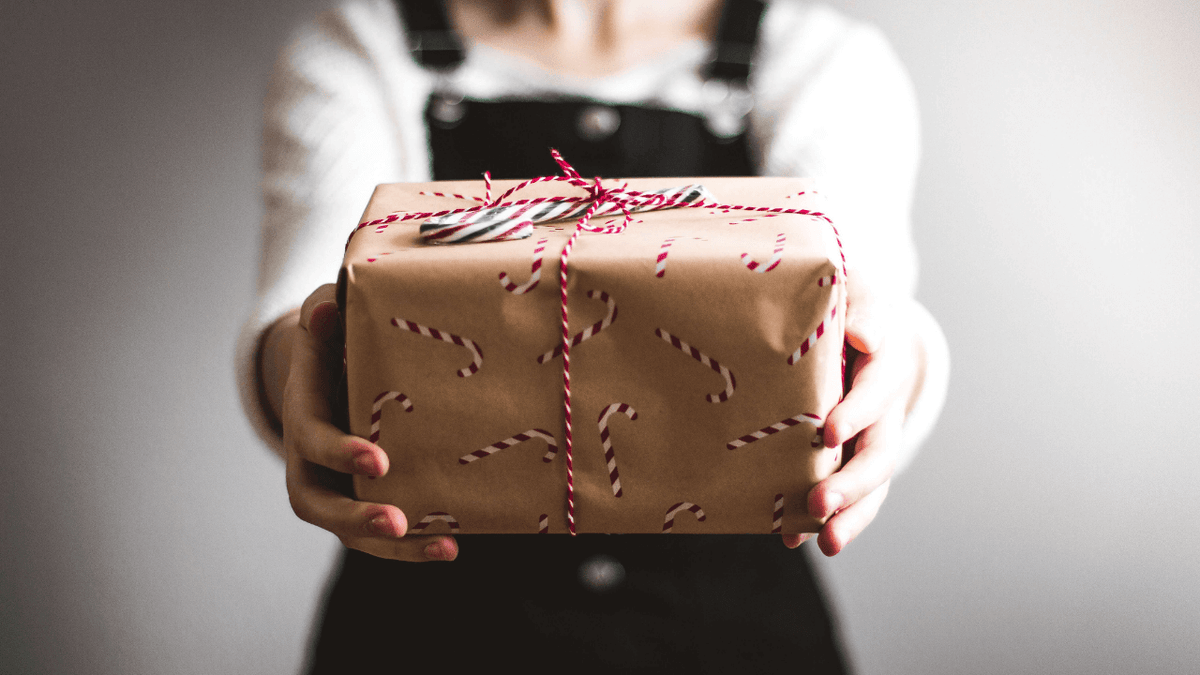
(867, 314)
(794, 540)
(322, 443)
(377, 529)
(848, 523)
(315, 500)
(864, 330)
(416, 548)
(877, 380)
(316, 360)
(872, 464)
(310, 431)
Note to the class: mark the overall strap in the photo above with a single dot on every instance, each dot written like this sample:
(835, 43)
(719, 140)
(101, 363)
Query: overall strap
(737, 38)
(431, 40)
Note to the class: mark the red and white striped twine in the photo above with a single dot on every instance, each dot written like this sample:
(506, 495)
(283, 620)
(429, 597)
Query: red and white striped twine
(610, 458)
(470, 345)
(703, 358)
(777, 523)
(802, 418)
(830, 280)
(535, 272)
(551, 446)
(669, 520)
(544, 524)
(377, 410)
(435, 516)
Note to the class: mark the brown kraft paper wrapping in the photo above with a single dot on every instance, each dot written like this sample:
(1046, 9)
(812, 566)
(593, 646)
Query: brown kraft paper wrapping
(457, 372)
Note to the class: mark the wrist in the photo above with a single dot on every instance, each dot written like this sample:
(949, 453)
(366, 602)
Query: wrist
(274, 364)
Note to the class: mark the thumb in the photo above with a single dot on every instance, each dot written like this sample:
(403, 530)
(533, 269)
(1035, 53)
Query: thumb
(866, 323)
(319, 315)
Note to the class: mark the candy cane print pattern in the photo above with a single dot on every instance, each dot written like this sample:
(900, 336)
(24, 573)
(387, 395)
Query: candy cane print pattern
(535, 273)
(700, 356)
(660, 267)
(590, 330)
(610, 457)
(811, 339)
(771, 264)
(377, 410)
(777, 524)
(669, 521)
(436, 515)
(544, 524)
(551, 446)
(476, 353)
(802, 418)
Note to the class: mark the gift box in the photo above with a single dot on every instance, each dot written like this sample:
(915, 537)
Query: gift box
(706, 350)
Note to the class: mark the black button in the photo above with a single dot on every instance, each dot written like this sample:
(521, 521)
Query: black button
(601, 574)
(447, 111)
(598, 122)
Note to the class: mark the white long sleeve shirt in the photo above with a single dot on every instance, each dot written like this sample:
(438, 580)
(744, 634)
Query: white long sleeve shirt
(344, 113)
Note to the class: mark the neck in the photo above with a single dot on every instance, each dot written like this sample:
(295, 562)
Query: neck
(586, 37)
(584, 22)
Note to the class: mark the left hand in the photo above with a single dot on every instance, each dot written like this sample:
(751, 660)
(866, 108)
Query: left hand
(885, 373)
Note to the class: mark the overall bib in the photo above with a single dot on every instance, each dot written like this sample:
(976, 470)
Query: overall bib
(592, 603)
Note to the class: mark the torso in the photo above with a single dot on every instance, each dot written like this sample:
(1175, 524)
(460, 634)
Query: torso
(696, 602)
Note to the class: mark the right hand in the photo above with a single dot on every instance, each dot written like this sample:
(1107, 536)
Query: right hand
(317, 450)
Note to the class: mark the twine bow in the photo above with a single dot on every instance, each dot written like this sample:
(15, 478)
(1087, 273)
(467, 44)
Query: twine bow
(501, 220)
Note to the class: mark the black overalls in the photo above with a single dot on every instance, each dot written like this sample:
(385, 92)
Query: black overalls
(593, 603)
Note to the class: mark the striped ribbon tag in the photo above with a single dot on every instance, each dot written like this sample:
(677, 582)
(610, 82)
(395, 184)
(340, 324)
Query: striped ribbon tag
(515, 220)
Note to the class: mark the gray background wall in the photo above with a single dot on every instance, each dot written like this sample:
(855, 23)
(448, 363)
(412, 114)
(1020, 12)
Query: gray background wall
(1048, 526)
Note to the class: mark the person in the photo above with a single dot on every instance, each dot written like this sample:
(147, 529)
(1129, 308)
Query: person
(381, 91)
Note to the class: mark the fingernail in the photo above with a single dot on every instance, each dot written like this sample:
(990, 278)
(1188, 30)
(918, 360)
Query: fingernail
(323, 320)
(805, 537)
(437, 551)
(381, 525)
(831, 436)
(364, 463)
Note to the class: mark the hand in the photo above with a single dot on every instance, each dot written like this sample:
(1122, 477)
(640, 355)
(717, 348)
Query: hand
(885, 372)
(317, 451)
